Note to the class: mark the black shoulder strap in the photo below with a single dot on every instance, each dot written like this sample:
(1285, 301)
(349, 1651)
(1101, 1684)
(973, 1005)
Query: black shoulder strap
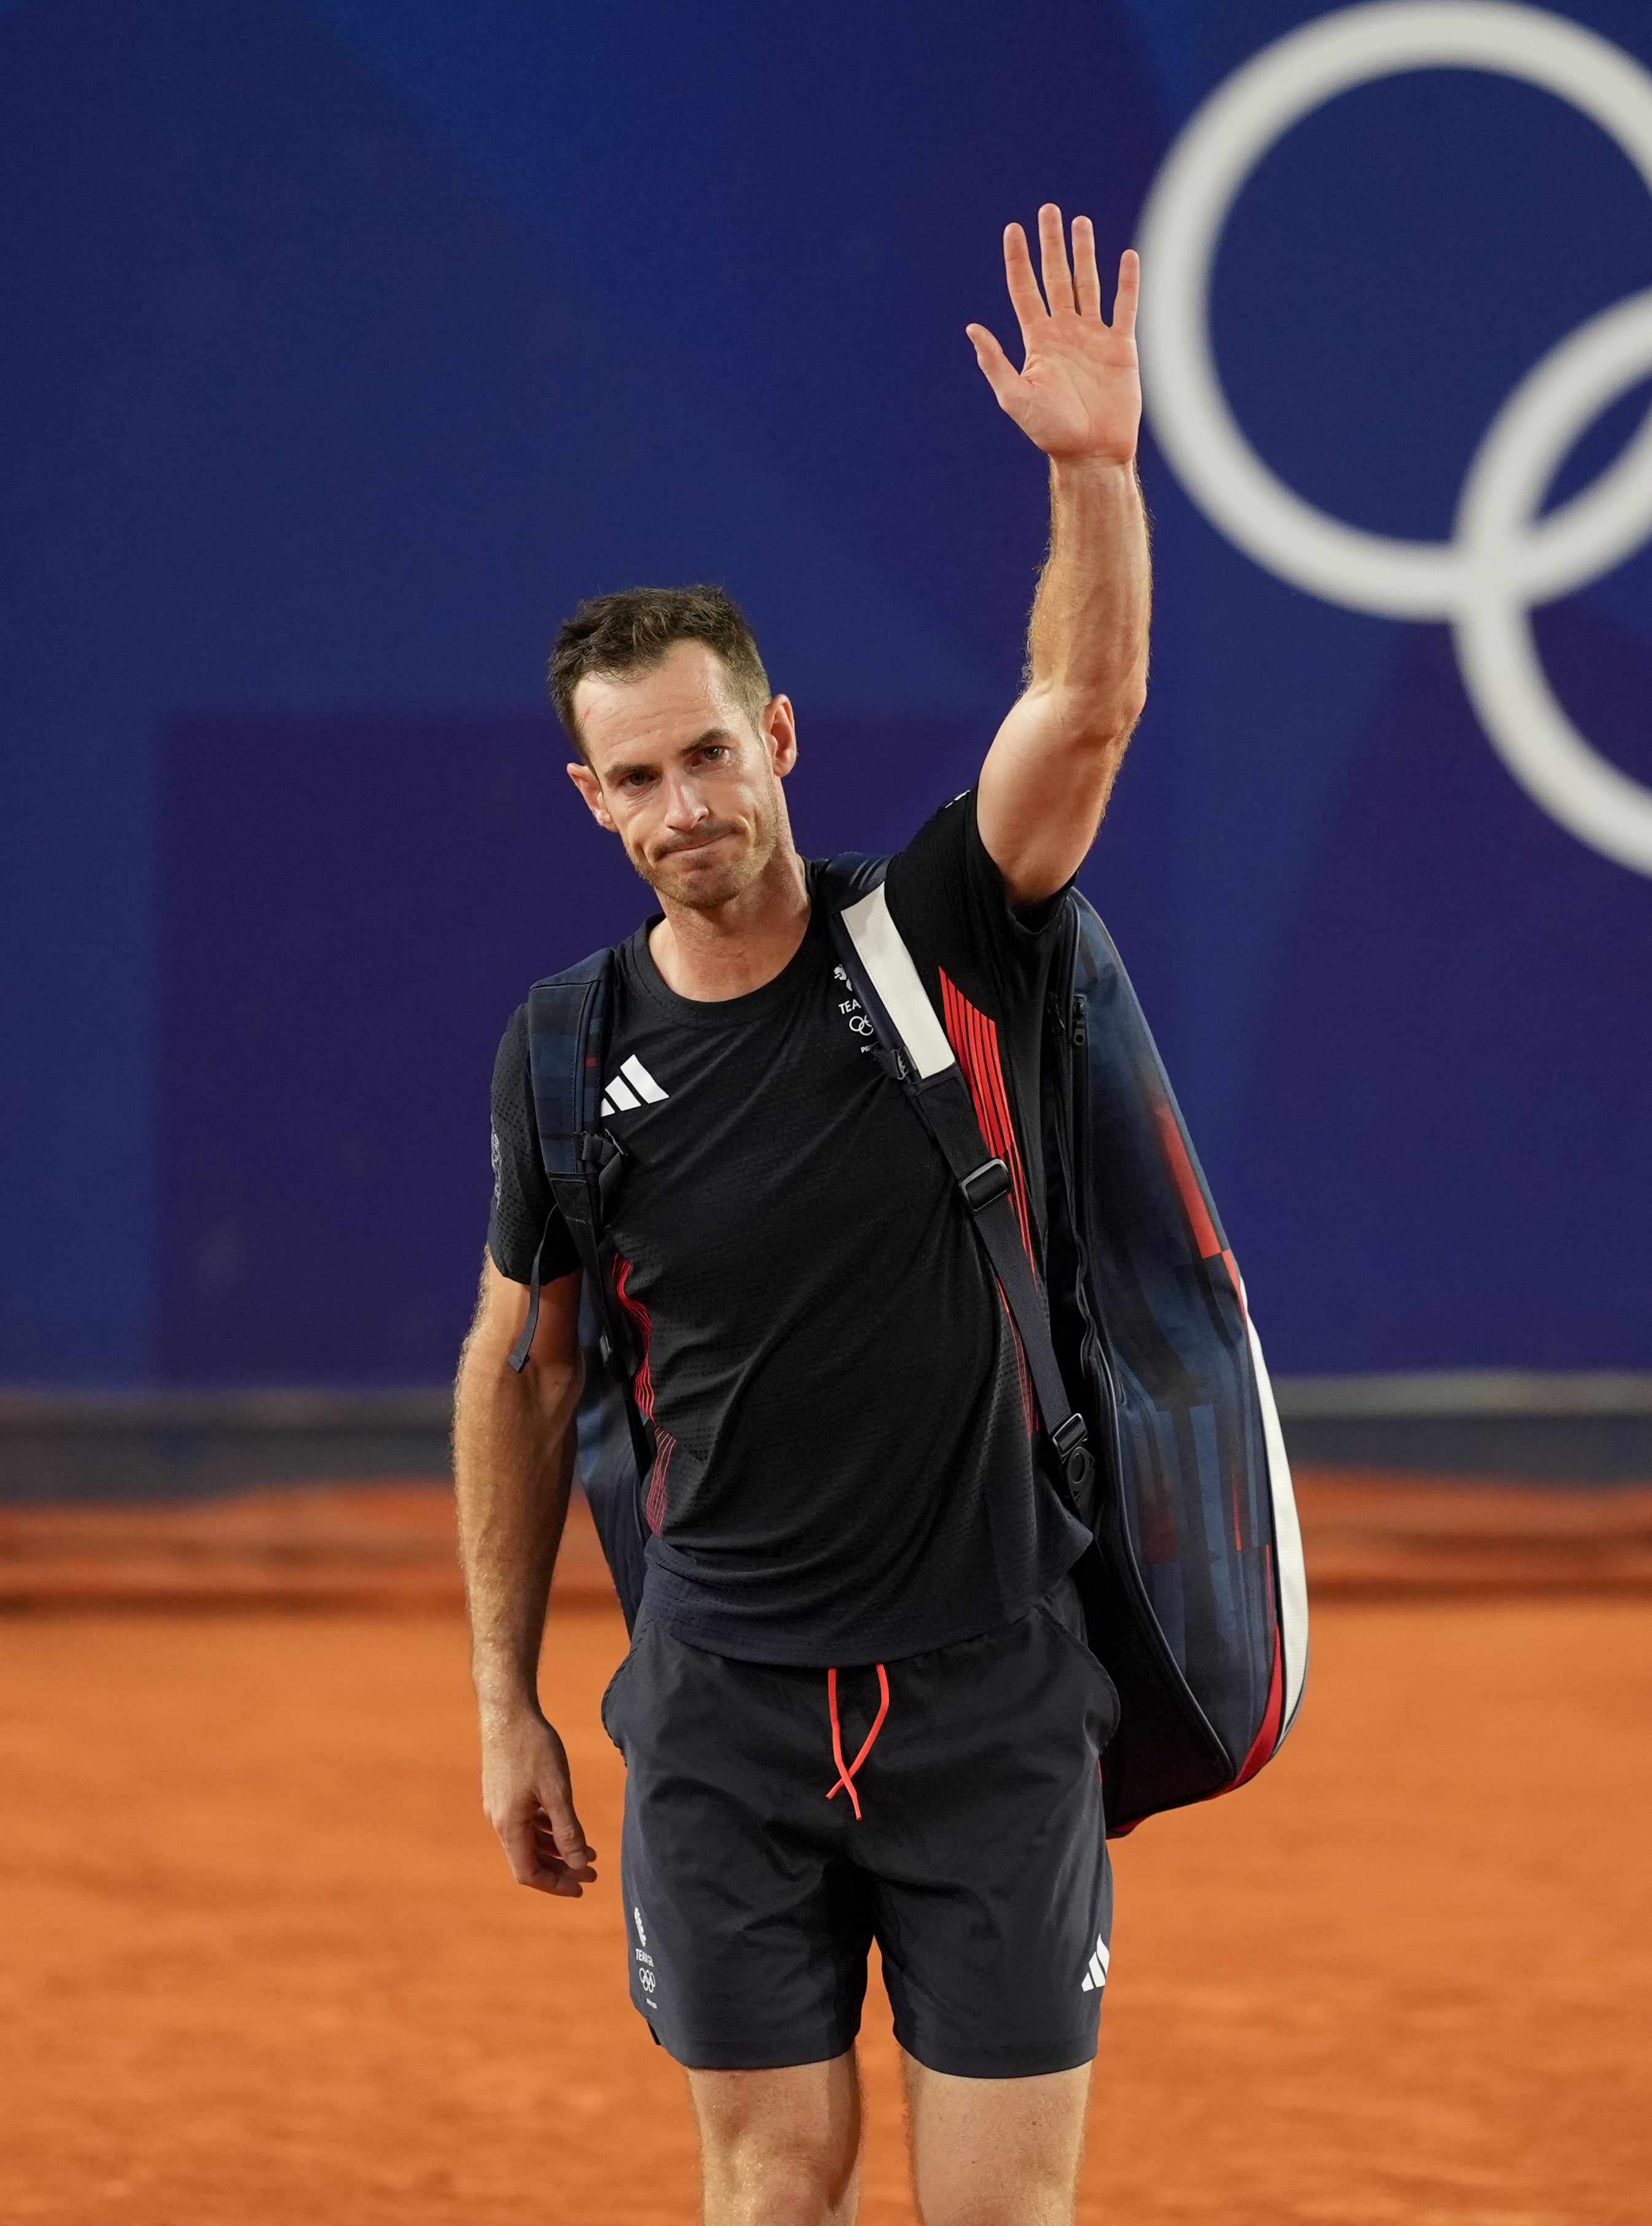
(915, 1050)
(567, 1027)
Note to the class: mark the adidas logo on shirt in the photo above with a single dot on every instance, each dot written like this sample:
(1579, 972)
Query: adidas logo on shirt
(1095, 1977)
(633, 1086)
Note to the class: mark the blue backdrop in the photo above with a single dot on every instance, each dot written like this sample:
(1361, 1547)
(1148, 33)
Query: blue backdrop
(349, 344)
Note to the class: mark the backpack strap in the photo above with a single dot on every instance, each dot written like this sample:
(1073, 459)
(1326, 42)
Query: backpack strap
(567, 1026)
(915, 1050)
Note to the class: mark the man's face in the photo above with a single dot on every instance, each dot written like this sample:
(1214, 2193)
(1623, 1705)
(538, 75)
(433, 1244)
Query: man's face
(684, 775)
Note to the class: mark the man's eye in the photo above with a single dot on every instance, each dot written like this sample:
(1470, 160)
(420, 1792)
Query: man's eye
(713, 753)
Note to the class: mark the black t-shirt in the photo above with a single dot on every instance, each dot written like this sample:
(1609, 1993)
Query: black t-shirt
(847, 1465)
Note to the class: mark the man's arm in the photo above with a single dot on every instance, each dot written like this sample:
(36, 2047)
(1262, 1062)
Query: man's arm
(514, 1463)
(1045, 782)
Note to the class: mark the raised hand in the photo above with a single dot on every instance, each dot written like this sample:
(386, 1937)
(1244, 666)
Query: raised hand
(1078, 394)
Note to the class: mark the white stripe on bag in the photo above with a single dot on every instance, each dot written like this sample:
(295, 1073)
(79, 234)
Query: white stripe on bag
(896, 980)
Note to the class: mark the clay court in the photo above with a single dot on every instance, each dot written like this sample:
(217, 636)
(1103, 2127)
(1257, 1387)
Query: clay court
(265, 1964)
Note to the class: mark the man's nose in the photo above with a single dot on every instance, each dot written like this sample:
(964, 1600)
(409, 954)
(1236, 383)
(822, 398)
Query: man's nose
(683, 807)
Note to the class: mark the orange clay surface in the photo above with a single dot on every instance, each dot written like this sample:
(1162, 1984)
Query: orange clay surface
(263, 1961)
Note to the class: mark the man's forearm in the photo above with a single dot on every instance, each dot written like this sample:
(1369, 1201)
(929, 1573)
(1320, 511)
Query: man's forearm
(1087, 645)
(513, 1464)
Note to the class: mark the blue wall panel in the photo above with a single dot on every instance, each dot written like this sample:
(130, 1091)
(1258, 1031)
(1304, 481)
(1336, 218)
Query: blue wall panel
(350, 343)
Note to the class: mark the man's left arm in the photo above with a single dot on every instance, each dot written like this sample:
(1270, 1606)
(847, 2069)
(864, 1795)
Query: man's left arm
(1077, 396)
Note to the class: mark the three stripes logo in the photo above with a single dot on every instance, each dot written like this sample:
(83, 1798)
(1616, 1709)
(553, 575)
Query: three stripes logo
(1095, 1977)
(633, 1086)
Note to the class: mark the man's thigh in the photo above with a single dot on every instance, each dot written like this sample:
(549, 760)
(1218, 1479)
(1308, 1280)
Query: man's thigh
(991, 2150)
(780, 2147)
(783, 2145)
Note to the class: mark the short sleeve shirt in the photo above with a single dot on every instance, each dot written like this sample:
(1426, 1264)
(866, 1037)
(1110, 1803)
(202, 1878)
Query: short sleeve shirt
(847, 1465)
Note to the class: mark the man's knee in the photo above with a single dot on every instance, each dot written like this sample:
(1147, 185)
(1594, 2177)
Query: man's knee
(753, 2186)
(1024, 2205)
(1039, 2194)
(779, 2148)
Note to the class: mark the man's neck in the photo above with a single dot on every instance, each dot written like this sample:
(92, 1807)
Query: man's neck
(738, 947)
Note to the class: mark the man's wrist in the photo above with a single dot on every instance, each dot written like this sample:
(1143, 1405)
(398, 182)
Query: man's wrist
(1093, 468)
(507, 1692)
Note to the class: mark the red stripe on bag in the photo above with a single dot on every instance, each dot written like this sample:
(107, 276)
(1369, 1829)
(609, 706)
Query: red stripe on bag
(1267, 1738)
(974, 1038)
(1192, 1194)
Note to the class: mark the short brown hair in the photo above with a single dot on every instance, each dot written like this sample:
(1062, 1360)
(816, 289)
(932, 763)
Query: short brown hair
(631, 631)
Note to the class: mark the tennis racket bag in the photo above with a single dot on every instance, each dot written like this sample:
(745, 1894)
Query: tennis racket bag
(1157, 1420)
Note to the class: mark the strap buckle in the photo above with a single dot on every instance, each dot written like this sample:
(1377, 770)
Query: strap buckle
(594, 1148)
(1071, 1443)
(983, 1186)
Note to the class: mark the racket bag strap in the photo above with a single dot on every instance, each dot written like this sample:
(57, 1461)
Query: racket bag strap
(580, 1200)
(941, 1098)
(986, 1188)
(567, 1018)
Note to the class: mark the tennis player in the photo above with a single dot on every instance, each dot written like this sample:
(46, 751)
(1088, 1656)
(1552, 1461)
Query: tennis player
(858, 1705)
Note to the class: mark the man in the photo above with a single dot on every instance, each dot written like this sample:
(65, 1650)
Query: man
(857, 1703)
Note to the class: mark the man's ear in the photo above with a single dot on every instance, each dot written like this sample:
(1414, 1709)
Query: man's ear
(779, 725)
(591, 789)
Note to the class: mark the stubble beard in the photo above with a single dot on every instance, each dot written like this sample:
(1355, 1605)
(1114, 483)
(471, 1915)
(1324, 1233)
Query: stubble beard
(703, 889)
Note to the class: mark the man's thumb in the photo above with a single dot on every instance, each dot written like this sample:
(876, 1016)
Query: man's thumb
(567, 1831)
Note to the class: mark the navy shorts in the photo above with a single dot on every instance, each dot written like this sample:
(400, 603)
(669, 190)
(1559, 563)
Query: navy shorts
(977, 1861)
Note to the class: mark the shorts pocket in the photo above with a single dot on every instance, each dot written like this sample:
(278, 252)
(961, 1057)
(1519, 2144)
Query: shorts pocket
(611, 1694)
(1107, 1692)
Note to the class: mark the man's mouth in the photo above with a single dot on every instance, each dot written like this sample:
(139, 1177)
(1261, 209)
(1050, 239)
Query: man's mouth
(704, 843)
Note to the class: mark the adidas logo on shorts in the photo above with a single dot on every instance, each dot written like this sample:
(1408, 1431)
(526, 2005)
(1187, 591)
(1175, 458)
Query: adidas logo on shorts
(633, 1086)
(1095, 1977)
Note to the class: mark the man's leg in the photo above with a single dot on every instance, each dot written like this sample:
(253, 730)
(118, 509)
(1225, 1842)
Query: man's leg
(996, 2152)
(783, 2148)
(986, 1836)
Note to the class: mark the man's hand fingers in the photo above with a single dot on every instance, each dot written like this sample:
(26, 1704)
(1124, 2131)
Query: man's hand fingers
(1086, 278)
(526, 1794)
(1025, 298)
(558, 1823)
(1000, 373)
(1053, 257)
(555, 1875)
(577, 1861)
(1124, 302)
(521, 1843)
(537, 1859)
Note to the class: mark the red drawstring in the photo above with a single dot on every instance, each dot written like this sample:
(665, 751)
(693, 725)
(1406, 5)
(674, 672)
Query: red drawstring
(846, 1772)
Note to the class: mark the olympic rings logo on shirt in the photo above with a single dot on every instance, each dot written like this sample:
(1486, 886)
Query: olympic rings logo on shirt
(1503, 558)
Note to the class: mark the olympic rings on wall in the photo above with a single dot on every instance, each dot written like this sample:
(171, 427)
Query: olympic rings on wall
(1502, 559)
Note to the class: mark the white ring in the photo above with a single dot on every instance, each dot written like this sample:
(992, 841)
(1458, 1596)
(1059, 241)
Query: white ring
(1508, 478)
(1501, 558)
